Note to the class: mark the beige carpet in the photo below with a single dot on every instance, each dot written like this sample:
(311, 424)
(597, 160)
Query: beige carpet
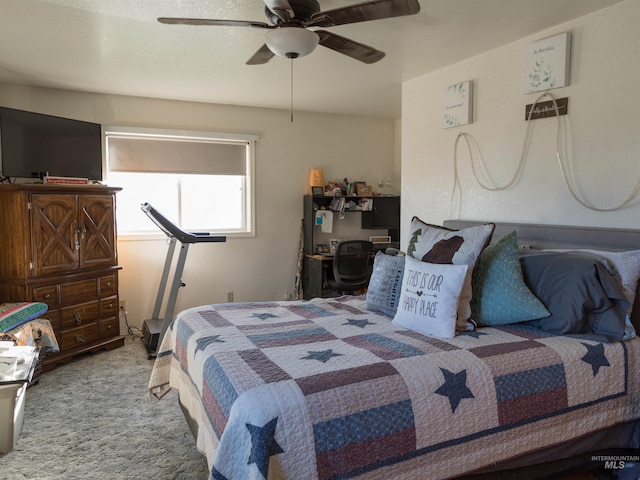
(89, 419)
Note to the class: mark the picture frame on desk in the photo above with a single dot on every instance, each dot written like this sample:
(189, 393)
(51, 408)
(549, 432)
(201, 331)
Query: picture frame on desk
(320, 248)
(317, 191)
(333, 245)
(363, 190)
(378, 239)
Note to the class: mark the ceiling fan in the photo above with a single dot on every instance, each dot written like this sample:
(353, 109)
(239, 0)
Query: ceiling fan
(289, 34)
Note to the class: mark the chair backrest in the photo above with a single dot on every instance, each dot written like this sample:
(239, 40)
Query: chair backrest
(351, 270)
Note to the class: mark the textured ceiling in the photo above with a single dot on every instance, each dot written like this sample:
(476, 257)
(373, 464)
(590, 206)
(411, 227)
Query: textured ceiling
(117, 46)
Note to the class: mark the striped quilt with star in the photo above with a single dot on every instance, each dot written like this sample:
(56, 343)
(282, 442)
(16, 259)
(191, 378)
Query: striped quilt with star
(324, 389)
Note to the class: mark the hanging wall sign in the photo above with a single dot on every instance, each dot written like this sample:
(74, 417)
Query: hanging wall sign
(547, 109)
(546, 63)
(457, 106)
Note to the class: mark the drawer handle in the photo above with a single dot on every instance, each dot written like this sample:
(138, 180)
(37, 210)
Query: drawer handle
(79, 338)
(77, 317)
(111, 305)
(47, 296)
(108, 284)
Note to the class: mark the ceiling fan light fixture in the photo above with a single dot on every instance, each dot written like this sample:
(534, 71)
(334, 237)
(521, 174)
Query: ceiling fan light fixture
(291, 42)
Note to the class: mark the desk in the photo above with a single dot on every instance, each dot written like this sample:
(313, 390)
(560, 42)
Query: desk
(315, 276)
(13, 386)
(382, 220)
(317, 272)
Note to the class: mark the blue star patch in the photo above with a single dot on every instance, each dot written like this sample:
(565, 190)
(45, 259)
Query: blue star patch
(358, 323)
(263, 445)
(204, 342)
(323, 356)
(264, 316)
(474, 333)
(595, 357)
(454, 387)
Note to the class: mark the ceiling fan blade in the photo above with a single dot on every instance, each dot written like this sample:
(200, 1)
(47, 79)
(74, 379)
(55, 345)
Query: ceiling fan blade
(206, 21)
(364, 12)
(359, 51)
(263, 55)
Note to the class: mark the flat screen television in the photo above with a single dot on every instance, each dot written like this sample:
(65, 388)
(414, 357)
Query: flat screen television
(34, 145)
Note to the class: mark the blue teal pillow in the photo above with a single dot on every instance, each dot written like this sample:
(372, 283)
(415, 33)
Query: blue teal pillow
(15, 314)
(500, 294)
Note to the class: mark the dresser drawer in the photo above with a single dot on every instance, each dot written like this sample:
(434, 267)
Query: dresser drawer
(108, 285)
(74, 292)
(108, 327)
(53, 315)
(80, 314)
(109, 306)
(78, 337)
(47, 294)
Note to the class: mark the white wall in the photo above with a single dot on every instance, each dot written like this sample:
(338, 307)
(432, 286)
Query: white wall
(603, 125)
(255, 269)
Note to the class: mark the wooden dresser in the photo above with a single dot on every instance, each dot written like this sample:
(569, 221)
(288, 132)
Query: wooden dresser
(58, 246)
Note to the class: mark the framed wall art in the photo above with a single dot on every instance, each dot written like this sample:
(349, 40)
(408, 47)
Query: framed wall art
(457, 106)
(547, 63)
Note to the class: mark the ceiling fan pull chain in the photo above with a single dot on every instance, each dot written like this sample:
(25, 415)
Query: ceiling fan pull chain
(291, 60)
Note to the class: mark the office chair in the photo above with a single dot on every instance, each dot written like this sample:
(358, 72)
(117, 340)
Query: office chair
(351, 269)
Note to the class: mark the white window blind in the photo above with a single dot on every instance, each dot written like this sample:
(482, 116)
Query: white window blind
(156, 151)
(202, 181)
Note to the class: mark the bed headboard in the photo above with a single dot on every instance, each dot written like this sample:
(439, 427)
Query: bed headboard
(561, 236)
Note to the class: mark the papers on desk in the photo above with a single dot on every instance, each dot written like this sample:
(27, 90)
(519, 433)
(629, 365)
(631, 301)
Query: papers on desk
(337, 204)
(340, 204)
(324, 218)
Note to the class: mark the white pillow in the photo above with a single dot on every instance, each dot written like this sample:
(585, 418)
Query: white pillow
(435, 244)
(429, 298)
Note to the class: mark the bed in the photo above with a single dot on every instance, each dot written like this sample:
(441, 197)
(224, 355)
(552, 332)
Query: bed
(336, 388)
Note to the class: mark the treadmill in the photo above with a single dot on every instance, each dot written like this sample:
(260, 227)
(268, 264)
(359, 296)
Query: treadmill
(154, 328)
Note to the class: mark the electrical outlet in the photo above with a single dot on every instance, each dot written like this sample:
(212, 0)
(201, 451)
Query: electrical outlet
(229, 296)
(123, 304)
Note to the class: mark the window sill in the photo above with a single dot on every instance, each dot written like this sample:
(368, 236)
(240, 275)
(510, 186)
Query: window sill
(137, 237)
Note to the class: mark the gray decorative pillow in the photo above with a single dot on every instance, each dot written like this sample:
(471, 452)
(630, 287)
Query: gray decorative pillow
(624, 266)
(385, 284)
(435, 244)
(582, 296)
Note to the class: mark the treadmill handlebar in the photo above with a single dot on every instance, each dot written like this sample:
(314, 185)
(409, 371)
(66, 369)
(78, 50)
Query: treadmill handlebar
(172, 230)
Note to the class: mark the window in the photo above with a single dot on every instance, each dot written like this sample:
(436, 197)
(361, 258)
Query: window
(202, 181)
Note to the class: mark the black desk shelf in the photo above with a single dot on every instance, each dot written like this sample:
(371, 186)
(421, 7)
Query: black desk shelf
(385, 215)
